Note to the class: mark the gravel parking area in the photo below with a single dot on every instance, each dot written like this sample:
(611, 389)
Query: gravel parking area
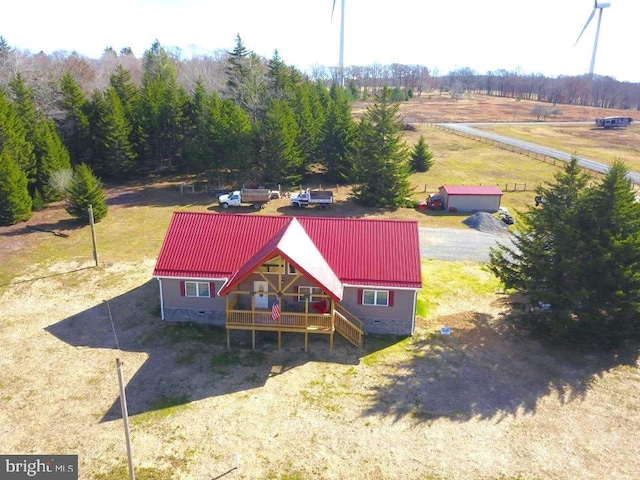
(459, 245)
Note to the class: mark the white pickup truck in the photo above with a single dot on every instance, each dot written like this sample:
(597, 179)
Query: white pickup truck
(256, 197)
(324, 198)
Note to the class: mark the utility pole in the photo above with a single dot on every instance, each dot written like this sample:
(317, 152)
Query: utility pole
(93, 234)
(125, 417)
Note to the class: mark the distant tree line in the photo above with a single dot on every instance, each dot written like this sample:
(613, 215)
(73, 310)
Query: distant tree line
(584, 90)
(248, 120)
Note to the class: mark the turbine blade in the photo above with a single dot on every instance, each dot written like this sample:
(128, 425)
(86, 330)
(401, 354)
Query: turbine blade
(586, 25)
(333, 9)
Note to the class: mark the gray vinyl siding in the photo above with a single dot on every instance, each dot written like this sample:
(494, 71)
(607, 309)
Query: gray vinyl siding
(395, 320)
(191, 309)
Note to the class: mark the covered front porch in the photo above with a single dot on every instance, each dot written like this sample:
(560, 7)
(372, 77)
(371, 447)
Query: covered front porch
(291, 312)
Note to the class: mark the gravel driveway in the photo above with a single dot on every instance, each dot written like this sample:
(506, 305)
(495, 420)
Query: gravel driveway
(457, 244)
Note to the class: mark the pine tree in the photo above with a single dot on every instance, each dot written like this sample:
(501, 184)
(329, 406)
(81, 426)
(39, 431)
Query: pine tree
(49, 152)
(75, 124)
(162, 108)
(421, 157)
(247, 80)
(381, 158)
(610, 265)
(51, 156)
(15, 202)
(198, 152)
(113, 154)
(280, 153)
(85, 190)
(545, 260)
(337, 137)
(13, 136)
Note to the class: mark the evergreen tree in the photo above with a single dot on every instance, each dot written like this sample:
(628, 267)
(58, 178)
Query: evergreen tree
(544, 261)
(162, 108)
(220, 135)
(75, 124)
(279, 87)
(247, 79)
(337, 137)
(381, 158)
(15, 202)
(113, 154)
(129, 95)
(85, 190)
(198, 151)
(310, 115)
(280, 153)
(234, 139)
(49, 152)
(421, 157)
(51, 156)
(13, 136)
(609, 311)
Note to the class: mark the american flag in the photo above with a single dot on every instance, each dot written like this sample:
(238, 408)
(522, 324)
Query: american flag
(275, 310)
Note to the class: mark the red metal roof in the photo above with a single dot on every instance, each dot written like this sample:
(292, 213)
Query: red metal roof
(294, 245)
(472, 190)
(359, 251)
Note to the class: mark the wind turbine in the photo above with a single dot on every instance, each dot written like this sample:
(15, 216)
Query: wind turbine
(341, 58)
(600, 7)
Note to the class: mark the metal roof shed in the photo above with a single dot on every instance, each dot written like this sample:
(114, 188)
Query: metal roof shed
(471, 198)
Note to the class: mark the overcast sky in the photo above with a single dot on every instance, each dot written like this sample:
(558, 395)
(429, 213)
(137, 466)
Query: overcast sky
(533, 36)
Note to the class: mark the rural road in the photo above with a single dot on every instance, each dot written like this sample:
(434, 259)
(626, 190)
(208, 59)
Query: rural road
(453, 244)
(469, 128)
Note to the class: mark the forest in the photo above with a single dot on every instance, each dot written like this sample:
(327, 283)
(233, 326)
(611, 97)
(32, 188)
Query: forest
(234, 116)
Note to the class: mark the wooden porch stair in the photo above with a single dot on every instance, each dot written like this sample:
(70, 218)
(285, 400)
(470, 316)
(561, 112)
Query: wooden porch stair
(349, 326)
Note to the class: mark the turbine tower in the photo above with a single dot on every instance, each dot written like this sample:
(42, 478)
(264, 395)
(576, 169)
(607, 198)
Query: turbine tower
(341, 57)
(600, 7)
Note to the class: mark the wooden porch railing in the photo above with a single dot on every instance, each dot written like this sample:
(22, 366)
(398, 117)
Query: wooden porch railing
(287, 320)
(349, 326)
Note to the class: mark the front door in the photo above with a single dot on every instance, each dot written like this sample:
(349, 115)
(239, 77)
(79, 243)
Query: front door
(261, 298)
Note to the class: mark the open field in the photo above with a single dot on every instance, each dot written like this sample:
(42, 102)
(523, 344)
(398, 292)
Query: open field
(435, 108)
(481, 403)
(486, 402)
(601, 145)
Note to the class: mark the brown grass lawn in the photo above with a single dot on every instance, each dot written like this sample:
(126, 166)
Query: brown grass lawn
(435, 108)
(601, 145)
(487, 402)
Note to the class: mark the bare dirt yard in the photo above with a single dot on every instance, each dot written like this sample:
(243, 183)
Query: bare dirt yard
(486, 402)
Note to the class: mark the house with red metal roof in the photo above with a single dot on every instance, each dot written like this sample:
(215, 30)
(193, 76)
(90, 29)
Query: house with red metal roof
(478, 198)
(286, 274)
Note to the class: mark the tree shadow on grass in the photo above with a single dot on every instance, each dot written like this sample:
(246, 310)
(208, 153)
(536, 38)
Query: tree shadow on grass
(188, 362)
(477, 372)
(160, 195)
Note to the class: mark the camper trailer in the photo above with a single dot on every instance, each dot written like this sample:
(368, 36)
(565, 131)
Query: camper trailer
(613, 122)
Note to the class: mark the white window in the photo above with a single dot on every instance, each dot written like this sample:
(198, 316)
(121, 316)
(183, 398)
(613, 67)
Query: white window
(309, 292)
(375, 297)
(197, 289)
(291, 269)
